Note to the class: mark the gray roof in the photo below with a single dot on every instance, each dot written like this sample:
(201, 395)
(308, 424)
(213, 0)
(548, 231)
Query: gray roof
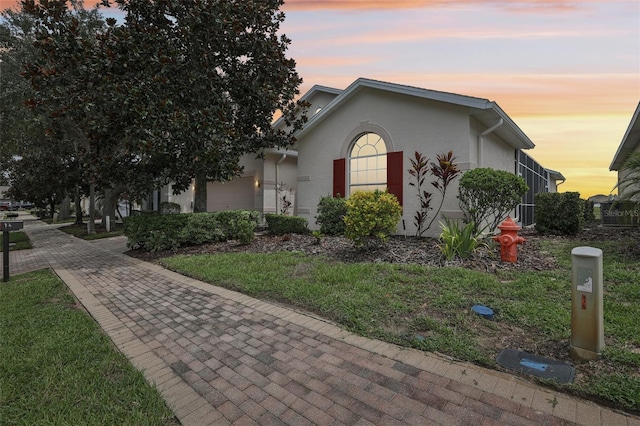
(485, 111)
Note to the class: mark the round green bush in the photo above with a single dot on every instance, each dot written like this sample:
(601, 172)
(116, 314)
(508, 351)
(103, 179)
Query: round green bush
(371, 216)
(331, 213)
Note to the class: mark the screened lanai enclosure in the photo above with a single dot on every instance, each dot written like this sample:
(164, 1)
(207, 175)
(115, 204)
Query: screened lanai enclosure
(538, 179)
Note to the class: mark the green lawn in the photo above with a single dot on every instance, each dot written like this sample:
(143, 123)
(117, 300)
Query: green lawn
(19, 238)
(58, 368)
(429, 308)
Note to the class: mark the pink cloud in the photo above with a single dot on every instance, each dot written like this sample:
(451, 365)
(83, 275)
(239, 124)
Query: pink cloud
(514, 5)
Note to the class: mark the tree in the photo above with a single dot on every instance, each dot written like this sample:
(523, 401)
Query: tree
(19, 125)
(486, 196)
(39, 160)
(629, 178)
(220, 73)
(180, 91)
(78, 88)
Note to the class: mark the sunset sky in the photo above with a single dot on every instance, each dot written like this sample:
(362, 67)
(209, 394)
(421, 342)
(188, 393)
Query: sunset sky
(567, 72)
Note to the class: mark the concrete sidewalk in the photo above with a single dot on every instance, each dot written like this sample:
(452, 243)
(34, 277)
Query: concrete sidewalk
(219, 357)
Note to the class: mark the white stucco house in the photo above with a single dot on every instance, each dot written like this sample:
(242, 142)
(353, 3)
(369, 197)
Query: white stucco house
(361, 138)
(261, 187)
(630, 143)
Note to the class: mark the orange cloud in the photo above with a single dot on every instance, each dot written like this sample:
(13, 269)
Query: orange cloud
(9, 4)
(514, 5)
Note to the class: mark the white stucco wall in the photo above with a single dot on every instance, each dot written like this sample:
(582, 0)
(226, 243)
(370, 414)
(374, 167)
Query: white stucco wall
(285, 172)
(407, 124)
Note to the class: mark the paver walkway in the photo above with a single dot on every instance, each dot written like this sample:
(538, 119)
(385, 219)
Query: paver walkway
(219, 357)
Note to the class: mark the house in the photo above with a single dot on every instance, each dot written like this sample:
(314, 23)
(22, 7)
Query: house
(630, 143)
(266, 185)
(624, 213)
(362, 137)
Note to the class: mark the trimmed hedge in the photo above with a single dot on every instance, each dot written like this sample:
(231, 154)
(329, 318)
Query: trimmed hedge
(559, 213)
(155, 233)
(278, 224)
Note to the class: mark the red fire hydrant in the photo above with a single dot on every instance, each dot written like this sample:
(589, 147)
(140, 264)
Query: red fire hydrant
(509, 240)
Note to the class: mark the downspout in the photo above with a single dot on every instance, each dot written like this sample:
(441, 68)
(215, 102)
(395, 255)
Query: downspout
(284, 156)
(481, 139)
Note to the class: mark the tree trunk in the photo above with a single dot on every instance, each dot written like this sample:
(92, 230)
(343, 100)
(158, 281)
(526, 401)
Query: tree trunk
(52, 206)
(200, 194)
(65, 208)
(110, 203)
(78, 203)
(91, 226)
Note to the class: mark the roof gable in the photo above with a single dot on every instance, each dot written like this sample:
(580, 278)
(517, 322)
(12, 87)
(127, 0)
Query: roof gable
(483, 110)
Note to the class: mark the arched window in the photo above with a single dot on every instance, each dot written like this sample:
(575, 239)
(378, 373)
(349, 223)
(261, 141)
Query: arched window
(368, 163)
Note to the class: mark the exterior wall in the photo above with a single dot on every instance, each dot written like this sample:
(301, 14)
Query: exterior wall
(274, 174)
(319, 100)
(239, 193)
(496, 153)
(185, 199)
(407, 124)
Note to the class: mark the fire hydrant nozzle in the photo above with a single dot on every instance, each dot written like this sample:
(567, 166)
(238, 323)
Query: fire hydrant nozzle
(509, 240)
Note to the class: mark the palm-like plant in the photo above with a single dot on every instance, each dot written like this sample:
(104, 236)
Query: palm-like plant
(629, 181)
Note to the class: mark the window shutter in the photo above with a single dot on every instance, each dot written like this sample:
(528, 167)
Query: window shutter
(340, 177)
(394, 173)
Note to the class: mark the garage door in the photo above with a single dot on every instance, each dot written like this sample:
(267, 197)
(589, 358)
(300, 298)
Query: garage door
(236, 194)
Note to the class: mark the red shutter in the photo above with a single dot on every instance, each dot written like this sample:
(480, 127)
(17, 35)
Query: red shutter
(394, 173)
(340, 177)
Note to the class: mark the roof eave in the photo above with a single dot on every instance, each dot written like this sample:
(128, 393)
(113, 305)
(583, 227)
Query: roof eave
(629, 143)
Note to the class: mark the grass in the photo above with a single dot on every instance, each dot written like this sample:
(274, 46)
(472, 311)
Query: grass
(19, 238)
(80, 231)
(429, 308)
(57, 367)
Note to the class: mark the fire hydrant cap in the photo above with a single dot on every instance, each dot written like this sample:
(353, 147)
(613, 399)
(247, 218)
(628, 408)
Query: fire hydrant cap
(509, 225)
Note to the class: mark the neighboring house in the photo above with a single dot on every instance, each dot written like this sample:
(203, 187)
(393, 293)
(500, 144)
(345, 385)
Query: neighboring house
(630, 143)
(361, 138)
(261, 187)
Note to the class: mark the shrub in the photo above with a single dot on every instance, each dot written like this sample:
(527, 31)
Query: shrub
(371, 216)
(486, 196)
(154, 232)
(168, 232)
(201, 228)
(168, 207)
(457, 241)
(331, 213)
(559, 213)
(589, 211)
(281, 224)
(444, 172)
(238, 224)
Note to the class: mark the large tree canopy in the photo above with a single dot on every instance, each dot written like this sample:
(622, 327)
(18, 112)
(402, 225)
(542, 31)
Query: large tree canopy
(179, 91)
